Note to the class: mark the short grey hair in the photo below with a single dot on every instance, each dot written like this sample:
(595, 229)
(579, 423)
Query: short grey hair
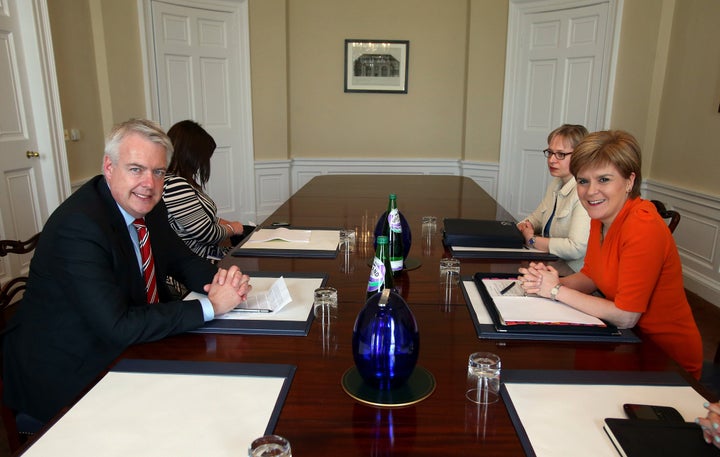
(144, 127)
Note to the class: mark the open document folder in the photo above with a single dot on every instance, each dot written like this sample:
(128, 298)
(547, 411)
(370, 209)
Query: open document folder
(291, 318)
(267, 301)
(290, 242)
(515, 308)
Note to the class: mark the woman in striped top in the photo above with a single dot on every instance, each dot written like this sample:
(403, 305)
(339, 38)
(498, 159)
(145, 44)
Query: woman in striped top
(191, 212)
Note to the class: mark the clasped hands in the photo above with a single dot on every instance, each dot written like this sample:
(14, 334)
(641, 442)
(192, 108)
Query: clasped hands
(228, 289)
(711, 424)
(538, 279)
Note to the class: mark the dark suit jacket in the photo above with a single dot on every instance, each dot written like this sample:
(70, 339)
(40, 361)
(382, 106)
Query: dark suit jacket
(85, 301)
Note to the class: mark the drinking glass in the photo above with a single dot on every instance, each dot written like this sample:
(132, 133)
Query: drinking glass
(325, 300)
(325, 308)
(483, 378)
(429, 224)
(429, 227)
(270, 446)
(449, 270)
(347, 240)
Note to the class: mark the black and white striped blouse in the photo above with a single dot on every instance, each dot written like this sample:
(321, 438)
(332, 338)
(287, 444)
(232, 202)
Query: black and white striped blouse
(193, 216)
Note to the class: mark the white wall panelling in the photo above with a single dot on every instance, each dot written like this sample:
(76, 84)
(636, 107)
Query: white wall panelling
(272, 186)
(697, 236)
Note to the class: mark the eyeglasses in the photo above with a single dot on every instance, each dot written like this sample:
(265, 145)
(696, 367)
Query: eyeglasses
(558, 155)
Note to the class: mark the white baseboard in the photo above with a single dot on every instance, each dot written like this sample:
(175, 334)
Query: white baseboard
(300, 171)
(697, 236)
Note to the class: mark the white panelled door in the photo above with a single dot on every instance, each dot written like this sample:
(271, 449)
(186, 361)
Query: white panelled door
(21, 183)
(202, 73)
(557, 72)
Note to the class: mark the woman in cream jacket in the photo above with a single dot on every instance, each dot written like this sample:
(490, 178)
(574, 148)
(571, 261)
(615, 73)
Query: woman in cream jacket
(560, 225)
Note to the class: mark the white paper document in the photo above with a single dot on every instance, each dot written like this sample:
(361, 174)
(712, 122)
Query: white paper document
(515, 308)
(280, 234)
(270, 300)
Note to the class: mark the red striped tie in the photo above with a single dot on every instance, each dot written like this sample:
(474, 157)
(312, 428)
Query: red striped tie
(148, 264)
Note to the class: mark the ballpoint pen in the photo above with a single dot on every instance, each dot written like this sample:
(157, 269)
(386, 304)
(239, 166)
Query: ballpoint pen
(512, 284)
(250, 310)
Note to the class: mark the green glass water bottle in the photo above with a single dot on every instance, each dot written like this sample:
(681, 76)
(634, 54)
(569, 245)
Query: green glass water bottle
(380, 272)
(393, 230)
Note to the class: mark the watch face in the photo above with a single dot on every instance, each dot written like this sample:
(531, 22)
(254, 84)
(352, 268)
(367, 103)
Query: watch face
(554, 291)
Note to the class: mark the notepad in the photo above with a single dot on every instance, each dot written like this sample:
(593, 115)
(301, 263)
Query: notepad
(280, 234)
(516, 309)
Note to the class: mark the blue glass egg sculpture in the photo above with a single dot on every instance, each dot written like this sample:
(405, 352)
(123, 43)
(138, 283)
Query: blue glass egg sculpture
(406, 233)
(385, 342)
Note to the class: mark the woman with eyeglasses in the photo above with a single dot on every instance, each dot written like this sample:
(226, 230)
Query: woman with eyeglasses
(631, 259)
(560, 225)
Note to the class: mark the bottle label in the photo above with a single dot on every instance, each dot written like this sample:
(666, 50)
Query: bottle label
(395, 245)
(396, 264)
(394, 221)
(377, 276)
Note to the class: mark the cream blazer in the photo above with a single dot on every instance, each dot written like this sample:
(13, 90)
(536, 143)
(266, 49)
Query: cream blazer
(570, 226)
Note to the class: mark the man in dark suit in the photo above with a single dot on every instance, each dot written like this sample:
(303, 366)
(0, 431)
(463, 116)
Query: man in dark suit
(86, 296)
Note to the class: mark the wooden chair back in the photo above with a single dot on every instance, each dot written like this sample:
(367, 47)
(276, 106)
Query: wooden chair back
(9, 304)
(672, 215)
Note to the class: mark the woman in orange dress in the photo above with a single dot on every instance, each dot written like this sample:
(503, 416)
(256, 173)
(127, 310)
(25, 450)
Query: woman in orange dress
(631, 256)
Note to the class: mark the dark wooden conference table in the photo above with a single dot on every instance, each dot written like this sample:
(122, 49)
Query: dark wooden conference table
(318, 417)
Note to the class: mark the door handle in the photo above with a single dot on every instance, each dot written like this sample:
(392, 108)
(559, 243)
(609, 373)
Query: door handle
(32, 154)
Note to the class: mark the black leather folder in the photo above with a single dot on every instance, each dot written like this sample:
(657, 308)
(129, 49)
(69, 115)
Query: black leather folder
(654, 438)
(482, 233)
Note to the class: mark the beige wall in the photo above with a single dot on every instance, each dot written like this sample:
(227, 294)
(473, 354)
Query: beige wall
(666, 92)
(79, 95)
(687, 150)
(268, 67)
(99, 69)
(327, 122)
(636, 73)
(126, 97)
(485, 79)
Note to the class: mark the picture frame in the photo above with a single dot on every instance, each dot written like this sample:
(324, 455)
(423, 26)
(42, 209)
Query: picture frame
(379, 66)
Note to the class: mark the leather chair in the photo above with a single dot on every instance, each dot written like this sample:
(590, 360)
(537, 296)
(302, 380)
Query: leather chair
(18, 427)
(711, 374)
(670, 214)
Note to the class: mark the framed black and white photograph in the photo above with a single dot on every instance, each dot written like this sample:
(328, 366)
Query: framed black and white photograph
(376, 66)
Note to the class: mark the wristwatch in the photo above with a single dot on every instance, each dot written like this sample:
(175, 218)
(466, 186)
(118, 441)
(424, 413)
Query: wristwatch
(531, 242)
(554, 291)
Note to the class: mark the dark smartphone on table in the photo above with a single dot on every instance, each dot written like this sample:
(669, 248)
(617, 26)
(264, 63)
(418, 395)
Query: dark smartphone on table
(652, 412)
